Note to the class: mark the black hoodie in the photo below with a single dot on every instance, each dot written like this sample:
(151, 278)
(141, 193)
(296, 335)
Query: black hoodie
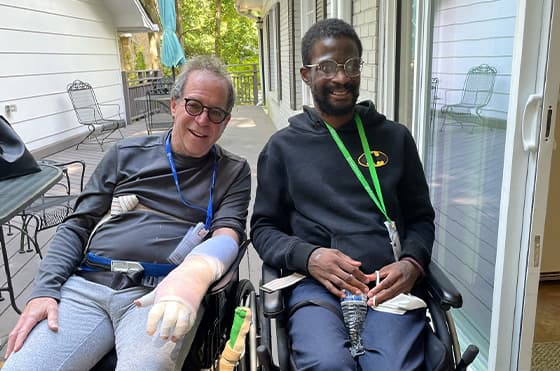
(308, 197)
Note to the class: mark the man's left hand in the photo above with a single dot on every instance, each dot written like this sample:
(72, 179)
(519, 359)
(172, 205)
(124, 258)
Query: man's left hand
(396, 278)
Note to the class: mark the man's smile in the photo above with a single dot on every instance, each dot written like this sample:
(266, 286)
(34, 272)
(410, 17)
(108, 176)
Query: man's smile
(196, 134)
(340, 92)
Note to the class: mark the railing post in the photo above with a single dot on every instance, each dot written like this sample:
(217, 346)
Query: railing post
(255, 86)
(126, 94)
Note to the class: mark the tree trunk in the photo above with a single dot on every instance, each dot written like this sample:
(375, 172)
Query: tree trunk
(218, 22)
(153, 59)
(179, 24)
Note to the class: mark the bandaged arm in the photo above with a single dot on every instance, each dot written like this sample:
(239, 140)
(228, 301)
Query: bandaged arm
(177, 298)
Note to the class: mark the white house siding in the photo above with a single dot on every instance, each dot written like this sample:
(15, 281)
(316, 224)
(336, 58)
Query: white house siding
(45, 46)
(280, 106)
(469, 33)
(365, 21)
(278, 103)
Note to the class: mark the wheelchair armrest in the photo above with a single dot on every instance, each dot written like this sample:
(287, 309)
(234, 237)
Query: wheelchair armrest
(441, 288)
(273, 303)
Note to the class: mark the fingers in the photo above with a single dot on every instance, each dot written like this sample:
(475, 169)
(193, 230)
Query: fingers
(185, 322)
(52, 318)
(394, 280)
(35, 311)
(19, 334)
(146, 300)
(176, 319)
(155, 314)
(169, 319)
(351, 283)
(15, 340)
(337, 272)
(332, 288)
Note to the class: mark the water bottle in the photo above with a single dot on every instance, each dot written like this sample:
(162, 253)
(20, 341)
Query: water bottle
(354, 309)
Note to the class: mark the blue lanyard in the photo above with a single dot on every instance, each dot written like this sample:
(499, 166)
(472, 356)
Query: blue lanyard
(208, 210)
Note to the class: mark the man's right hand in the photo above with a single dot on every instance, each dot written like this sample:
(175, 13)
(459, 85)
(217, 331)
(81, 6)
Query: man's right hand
(34, 312)
(337, 271)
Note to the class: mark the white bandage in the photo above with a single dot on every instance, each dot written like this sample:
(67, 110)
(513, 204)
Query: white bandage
(177, 298)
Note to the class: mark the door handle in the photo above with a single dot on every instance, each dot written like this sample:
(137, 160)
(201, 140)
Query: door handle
(529, 125)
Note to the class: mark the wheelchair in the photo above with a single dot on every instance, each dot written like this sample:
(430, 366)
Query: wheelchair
(213, 331)
(442, 296)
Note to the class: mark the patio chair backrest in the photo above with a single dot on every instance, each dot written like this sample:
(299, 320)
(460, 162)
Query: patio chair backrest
(479, 86)
(162, 86)
(84, 101)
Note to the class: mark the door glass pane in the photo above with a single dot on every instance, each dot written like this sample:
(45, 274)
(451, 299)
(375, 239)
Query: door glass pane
(471, 70)
(405, 56)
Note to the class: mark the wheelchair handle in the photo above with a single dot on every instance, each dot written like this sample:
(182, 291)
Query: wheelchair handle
(467, 358)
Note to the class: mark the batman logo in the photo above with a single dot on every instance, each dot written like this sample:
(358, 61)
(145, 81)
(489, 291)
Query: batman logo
(380, 159)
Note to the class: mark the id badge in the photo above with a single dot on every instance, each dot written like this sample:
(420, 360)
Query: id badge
(194, 236)
(394, 238)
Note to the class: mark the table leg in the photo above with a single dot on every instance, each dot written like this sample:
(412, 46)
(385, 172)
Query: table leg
(10, 288)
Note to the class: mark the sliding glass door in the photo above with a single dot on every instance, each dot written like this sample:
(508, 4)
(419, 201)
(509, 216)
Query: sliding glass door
(477, 87)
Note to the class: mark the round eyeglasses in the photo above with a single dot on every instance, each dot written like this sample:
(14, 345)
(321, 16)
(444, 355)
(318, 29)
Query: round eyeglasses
(195, 108)
(352, 67)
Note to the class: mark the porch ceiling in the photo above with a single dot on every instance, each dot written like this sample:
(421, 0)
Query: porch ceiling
(250, 8)
(130, 16)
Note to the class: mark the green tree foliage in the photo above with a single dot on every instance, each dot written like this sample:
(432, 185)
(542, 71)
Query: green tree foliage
(139, 63)
(238, 38)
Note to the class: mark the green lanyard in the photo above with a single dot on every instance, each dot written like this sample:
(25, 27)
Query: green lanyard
(371, 165)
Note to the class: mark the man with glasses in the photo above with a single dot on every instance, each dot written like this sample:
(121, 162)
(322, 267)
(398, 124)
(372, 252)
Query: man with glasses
(150, 202)
(342, 199)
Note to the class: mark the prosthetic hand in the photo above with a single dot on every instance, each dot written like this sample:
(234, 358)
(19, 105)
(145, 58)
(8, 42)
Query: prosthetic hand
(177, 298)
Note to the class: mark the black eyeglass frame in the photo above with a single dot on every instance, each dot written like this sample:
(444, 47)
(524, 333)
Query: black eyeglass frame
(208, 109)
(318, 66)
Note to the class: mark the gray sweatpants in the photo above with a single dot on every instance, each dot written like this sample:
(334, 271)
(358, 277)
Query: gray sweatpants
(92, 319)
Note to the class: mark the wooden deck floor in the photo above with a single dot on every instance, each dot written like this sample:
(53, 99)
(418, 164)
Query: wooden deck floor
(245, 135)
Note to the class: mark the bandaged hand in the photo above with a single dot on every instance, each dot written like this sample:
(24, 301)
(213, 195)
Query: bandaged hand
(176, 299)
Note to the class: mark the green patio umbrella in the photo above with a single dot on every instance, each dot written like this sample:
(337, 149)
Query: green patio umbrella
(172, 54)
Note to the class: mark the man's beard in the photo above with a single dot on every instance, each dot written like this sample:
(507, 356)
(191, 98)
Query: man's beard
(322, 102)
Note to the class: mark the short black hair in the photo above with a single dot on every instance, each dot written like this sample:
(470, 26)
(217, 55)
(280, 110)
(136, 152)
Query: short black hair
(331, 27)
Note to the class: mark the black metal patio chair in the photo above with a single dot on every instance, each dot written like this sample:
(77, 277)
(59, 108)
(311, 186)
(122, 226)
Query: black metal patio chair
(475, 95)
(53, 207)
(88, 111)
(158, 100)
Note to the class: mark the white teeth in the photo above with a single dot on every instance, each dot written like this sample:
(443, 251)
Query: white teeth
(196, 134)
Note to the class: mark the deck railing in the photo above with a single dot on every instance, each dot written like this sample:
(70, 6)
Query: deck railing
(245, 82)
(136, 84)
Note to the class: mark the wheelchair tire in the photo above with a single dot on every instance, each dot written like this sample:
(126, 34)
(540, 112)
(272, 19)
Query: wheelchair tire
(247, 297)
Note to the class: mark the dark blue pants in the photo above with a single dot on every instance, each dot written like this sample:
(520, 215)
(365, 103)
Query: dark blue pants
(320, 340)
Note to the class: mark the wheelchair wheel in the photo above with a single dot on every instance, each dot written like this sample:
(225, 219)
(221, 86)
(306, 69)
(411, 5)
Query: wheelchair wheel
(247, 297)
